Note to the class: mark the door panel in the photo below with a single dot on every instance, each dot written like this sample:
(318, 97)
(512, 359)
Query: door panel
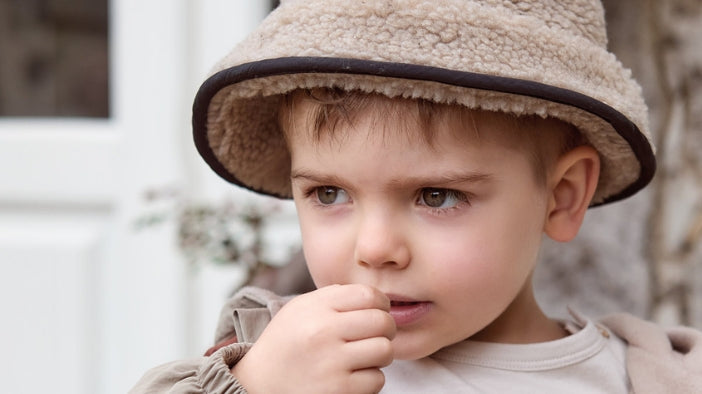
(48, 298)
(89, 302)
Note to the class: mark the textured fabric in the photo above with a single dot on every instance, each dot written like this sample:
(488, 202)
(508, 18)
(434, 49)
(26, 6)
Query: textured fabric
(656, 360)
(545, 57)
(245, 316)
(660, 361)
(257, 305)
(202, 375)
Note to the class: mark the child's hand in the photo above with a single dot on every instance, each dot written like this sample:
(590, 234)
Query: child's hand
(331, 340)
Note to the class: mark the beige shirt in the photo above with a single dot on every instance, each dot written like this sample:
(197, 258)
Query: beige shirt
(590, 360)
(656, 360)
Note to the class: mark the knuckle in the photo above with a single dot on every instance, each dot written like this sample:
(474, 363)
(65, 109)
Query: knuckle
(381, 323)
(379, 381)
(326, 291)
(386, 352)
(372, 380)
(372, 297)
(312, 334)
(367, 294)
(390, 322)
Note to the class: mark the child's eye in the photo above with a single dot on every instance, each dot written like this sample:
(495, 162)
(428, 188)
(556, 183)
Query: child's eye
(330, 195)
(441, 198)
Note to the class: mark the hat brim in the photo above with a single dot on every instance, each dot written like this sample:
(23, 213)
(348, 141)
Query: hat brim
(354, 68)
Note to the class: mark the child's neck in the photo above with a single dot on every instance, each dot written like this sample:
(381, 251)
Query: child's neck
(522, 322)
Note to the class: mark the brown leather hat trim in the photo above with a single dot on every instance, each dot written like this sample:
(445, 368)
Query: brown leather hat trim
(299, 65)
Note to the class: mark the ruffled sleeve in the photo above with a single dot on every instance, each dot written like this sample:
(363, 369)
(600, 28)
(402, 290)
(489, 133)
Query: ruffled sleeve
(202, 375)
(242, 319)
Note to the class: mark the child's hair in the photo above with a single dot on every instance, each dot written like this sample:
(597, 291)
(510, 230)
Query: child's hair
(542, 139)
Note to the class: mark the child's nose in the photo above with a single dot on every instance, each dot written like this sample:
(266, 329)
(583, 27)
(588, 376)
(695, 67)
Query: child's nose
(381, 242)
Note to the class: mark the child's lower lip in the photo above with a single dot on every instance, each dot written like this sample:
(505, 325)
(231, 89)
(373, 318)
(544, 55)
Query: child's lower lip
(407, 313)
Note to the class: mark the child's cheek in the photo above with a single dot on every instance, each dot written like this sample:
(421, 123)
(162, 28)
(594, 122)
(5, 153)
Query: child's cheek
(476, 258)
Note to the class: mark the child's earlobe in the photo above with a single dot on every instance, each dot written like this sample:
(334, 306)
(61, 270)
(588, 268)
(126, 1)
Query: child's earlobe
(571, 187)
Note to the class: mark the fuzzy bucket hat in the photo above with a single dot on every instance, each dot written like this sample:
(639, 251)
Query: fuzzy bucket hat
(542, 57)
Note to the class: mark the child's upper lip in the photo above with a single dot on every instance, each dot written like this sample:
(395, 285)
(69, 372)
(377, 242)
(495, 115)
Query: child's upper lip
(400, 298)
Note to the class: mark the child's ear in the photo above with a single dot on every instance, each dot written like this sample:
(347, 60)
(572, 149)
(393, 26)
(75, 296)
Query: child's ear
(571, 184)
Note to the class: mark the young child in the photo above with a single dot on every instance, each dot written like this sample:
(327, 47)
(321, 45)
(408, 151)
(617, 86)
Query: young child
(428, 146)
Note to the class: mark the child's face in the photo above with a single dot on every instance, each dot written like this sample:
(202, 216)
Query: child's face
(450, 231)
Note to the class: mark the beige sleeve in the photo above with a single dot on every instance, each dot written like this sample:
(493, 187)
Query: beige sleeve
(246, 314)
(660, 360)
(200, 375)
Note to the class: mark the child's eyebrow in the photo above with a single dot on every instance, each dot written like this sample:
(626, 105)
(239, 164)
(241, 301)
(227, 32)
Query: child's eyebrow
(443, 179)
(317, 178)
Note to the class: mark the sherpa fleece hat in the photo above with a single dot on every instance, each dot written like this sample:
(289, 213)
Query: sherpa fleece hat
(543, 57)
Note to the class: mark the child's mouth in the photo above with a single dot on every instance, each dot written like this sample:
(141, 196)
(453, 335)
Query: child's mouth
(408, 312)
(403, 303)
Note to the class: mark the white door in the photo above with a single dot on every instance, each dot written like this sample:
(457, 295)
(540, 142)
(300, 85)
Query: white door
(89, 302)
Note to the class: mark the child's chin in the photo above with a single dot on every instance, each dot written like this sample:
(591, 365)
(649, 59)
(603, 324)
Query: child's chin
(405, 350)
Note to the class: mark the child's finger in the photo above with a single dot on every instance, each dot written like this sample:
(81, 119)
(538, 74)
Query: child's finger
(373, 352)
(366, 323)
(353, 297)
(369, 380)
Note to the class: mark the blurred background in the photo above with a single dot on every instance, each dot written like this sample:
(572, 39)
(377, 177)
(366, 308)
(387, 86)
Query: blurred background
(118, 246)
